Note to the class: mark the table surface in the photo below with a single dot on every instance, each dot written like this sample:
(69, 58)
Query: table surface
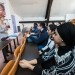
(4, 43)
(30, 52)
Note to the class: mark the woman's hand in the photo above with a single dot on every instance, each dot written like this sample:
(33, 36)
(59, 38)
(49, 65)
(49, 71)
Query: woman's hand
(24, 63)
(6, 27)
(40, 52)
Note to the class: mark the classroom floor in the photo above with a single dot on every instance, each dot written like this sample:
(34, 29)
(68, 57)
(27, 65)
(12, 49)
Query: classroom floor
(11, 56)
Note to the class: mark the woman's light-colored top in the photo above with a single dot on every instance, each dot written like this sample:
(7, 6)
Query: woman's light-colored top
(3, 31)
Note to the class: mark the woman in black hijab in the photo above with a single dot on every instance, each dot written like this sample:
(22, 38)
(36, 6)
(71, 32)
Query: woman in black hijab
(65, 60)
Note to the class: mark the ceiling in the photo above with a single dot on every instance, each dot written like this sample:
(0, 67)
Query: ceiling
(37, 8)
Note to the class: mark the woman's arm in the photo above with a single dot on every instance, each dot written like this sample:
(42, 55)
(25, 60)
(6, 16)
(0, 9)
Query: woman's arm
(2, 29)
(33, 61)
(37, 70)
(25, 64)
(44, 57)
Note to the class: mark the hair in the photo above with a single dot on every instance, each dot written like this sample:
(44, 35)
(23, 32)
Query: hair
(35, 24)
(42, 24)
(52, 27)
(2, 7)
(1, 15)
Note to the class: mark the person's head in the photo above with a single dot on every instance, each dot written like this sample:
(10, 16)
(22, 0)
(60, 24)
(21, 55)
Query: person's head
(2, 7)
(51, 29)
(35, 24)
(41, 26)
(2, 17)
(65, 35)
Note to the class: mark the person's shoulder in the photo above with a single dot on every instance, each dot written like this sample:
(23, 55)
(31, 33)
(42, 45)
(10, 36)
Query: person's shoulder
(45, 32)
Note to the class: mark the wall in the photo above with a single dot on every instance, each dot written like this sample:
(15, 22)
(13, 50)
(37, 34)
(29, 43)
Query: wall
(70, 17)
(56, 18)
(42, 18)
(32, 19)
(39, 19)
(18, 18)
(11, 13)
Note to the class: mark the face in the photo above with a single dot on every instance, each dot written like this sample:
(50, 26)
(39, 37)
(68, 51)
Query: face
(39, 27)
(49, 31)
(2, 19)
(0, 8)
(57, 38)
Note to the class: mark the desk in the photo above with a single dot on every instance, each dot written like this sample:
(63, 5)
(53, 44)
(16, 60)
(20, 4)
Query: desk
(14, 39)
(3, 44)
(30, 53)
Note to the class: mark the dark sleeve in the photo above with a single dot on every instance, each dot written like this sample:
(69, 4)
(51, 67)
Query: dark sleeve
(37, 70)
(39, 59)
(36, 30)
(46, 50)
(33, 31)
(41, 71)
(36, 34)
(40, 39)
(45, 56)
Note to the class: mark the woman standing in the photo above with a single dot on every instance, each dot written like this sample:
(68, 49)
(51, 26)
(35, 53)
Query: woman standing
(3, 31)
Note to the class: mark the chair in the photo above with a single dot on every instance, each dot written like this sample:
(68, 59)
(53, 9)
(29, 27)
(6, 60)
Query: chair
(24, 36)
(22, 42)
(30, 30)
(25, 33)
(17, 51)
(25, 41)
(8, 67)
(22, 48)
(15, 66)
(74, 23)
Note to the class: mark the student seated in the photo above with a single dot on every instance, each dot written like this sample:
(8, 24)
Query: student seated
(34, 33)
(48, 48)
(50, 43)
(42, 37)
(35, 28)
(65, 60)
(37, 33)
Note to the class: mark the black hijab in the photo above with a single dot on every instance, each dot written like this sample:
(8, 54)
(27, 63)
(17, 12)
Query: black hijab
(67, 33)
